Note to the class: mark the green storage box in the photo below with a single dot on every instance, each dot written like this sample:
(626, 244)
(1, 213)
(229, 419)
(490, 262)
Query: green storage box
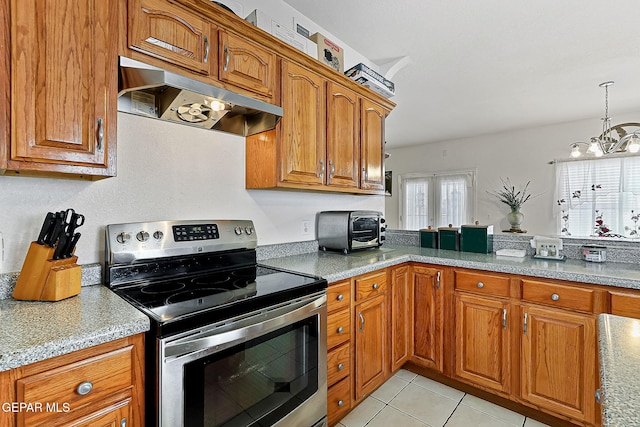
(449, 238)
(476, 238)
(429, 238)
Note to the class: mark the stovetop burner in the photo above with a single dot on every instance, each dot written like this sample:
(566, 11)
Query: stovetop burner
(184, 274)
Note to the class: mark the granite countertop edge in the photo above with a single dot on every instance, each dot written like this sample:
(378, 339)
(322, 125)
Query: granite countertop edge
(618, 343)
(34, 331)
(335, 267)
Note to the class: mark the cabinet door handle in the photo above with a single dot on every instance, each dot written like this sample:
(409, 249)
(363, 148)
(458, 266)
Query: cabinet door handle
(376, 286)
(226, 58)
(340, 367)
(321, 169)
(332, 169)
(123, 422)
(598, 396)
(361, 322)
(206, 50)
(555, 297)
(340, 330)
(366, 174)
(84, 388)
(480, 285)
(340, 297)
(100, 136)
(504, 319)
(526, 318)
(438, 281)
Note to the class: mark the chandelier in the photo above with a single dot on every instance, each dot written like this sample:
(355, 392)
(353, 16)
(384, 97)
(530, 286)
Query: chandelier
(621, 138)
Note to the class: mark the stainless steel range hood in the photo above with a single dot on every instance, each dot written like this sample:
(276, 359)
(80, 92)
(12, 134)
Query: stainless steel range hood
(151, 92)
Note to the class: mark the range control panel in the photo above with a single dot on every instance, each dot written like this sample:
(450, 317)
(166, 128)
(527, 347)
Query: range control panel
(126, 243)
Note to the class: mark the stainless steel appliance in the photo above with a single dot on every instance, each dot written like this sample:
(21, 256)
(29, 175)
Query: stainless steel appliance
(232, 342)
(348, 231)
(148, 91)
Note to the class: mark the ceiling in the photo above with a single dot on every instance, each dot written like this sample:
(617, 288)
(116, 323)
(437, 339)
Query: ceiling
(482, 67)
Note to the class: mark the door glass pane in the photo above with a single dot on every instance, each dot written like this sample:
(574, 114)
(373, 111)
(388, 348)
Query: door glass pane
(256, 383)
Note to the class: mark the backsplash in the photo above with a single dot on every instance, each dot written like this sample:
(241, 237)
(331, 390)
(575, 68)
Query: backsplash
(617, 250)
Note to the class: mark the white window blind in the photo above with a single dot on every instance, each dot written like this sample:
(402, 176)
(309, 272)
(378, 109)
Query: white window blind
(437, 199)
(586, 189)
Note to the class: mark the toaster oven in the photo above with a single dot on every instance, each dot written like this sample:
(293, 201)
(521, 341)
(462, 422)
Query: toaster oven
(348, 231)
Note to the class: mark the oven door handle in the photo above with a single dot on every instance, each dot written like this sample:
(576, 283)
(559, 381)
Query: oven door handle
(216, 340)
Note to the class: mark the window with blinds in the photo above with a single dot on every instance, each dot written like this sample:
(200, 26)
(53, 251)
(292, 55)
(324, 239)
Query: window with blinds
(437, 200)
(597, 197)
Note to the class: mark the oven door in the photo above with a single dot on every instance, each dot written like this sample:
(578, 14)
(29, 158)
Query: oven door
(266, 368)
(365, 232)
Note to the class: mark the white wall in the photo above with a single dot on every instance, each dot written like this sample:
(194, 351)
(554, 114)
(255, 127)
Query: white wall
(521, 156)
(165, 171)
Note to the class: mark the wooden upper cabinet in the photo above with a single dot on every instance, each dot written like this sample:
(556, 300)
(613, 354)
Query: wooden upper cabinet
(372, 143)
(246, 64)
(343, 137)
(482, 349)
(558, 361)
(173, 34)
(303, 133)
(63, 87)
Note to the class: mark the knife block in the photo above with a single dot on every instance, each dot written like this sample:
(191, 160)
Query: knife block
(45, 279)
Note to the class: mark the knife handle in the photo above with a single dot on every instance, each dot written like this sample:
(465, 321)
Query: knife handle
(61, 246)
(47, 226)
(71, 245)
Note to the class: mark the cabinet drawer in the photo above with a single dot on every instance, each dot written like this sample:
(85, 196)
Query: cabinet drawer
(338, 296)
(625, 304)
(556, 295)
(339, 400)
(338, 328)
(482, 283)
(97, 377)
(338, 364)
(371, 285)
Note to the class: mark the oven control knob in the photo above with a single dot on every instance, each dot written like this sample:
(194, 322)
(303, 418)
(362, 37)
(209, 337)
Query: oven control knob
(158, 235)
(248, 230)
(123, 237)
(238, 230)
(142, 236)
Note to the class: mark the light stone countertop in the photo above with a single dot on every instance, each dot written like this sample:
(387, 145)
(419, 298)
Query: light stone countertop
(619, 348)
(335, 266)
(34, 331)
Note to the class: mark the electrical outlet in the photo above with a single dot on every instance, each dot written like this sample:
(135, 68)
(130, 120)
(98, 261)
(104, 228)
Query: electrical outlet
(305, 226)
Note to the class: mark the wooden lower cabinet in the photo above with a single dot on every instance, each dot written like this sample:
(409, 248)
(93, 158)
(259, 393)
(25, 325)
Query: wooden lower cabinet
(558, 361)
(339, 401)
(482, 346)
(97, 386)
(370, 331)
(400, 316)
(426, 308)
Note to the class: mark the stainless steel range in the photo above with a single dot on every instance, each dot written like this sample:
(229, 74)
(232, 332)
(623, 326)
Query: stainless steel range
(232, 342)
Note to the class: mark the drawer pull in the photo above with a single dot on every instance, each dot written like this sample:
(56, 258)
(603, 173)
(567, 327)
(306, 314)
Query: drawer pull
(376, 286)
(84, 388)
(340, 330)
(340, 297)
(340, 367)
(340, 403)
(555, 297)
(480, 285)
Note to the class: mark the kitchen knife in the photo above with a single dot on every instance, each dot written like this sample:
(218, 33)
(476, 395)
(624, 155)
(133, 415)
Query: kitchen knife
(47, 228)
(63, 240)
(58, 229)
(71, 245)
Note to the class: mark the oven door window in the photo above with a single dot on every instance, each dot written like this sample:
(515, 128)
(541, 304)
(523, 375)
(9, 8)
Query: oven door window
(365, 230)
(255, 383)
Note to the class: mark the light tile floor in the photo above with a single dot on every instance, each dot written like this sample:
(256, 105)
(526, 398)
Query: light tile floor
(410, 400)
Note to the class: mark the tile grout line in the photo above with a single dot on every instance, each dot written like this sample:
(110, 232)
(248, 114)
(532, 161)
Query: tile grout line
(454, 410)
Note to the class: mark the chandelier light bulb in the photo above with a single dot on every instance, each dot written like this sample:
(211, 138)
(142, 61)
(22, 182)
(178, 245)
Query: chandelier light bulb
(575, 151)
(634, 143)
(594, 147)
(598, 153)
